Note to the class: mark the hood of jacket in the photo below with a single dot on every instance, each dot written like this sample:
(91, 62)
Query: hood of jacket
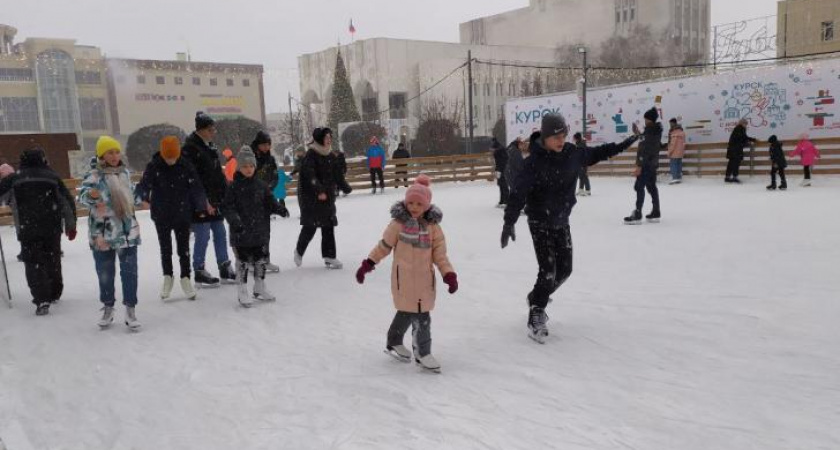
(400, 213)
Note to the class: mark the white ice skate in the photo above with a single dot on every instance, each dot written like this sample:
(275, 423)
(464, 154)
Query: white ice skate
(400, 353)
(429, 363)
(298, 259)
(333, 264)
(131, 319)
(675, 181)
(537, 328)
(187, 287)
(166, 290)
(272, 268)
(242, 295)
(805, 183)
(261, 293)
(107, 317)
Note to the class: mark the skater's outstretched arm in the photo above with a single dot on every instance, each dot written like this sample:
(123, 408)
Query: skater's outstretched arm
(594, 155)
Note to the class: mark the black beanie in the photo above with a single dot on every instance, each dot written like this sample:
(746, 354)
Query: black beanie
(773, 139)
(261, 138)
(553, 124)
(652, 115)
(319, 134)
(202, 121)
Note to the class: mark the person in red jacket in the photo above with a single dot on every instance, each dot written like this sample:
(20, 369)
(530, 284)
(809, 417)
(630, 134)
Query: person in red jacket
(376, 163)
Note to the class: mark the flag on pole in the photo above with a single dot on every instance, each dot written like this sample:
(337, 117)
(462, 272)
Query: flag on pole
(352, 28)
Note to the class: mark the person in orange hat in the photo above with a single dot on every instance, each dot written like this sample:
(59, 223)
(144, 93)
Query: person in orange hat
(171, 185)
(230, 164)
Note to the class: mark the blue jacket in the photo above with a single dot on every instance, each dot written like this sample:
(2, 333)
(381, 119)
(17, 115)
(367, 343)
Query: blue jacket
(282, 181)
(375, 157)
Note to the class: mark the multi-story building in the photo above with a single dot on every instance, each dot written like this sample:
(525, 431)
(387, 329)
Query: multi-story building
(808, 26)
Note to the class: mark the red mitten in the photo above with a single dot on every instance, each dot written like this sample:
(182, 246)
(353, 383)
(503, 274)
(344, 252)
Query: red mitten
(452, 280)
(367, 267)
(71, 234)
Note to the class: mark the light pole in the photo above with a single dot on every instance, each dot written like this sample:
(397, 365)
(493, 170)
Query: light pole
(582, 51)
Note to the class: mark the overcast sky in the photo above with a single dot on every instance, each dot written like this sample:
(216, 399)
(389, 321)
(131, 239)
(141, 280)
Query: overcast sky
(268, 32)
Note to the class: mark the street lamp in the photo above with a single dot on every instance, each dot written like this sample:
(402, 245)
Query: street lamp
(584, 81)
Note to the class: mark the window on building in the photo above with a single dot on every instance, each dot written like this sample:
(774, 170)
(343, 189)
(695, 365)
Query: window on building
(512, 89)
(632, 14)
(19, 114)
(617, 17)
(229, 82)
(92, 113)
(370, 108)
(196, 81)
(11, 74)
(160, 79)
(396, 102)
(88, 77)
(59, 104)
(488, 112)
(179, 81)
(246, 82)
(624, 15)
(141, 79)
(828, 31)
(214, 82)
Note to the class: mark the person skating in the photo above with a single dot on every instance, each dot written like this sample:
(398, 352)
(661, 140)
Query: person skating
(584, 186)
(376, 164)
(319, 175)
(808, 154)
(500, 158)
(199, 150)
(647, 162)
(676, 150)
(416, 238)
(170, 185)
(113, 230)
(43, 208)
(518, 152)
(546, 189)
(267, 173)
(402, 174)
(779, 163)
(248, 207)
(738, 140)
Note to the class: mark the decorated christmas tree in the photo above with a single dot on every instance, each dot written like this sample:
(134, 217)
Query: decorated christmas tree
(343, 107)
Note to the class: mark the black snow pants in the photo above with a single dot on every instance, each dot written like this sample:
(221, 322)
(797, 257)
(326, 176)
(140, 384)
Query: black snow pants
(553, 247)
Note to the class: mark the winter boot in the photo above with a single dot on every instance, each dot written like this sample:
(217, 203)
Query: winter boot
(399, 352)
(107, 317)
(131, 319)
(333, 263)
(227, 274)
(166, 290)
(428, 362)
(187, 287)
(298, 258)
(537, 329)
(43, 309)
(635, 218)
(654, 216)
(204, 279)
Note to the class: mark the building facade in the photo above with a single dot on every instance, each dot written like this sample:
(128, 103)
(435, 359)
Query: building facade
(808, 26)
(555, 23)
(58, 86)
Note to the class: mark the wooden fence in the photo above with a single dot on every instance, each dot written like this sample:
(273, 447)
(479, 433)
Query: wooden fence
(700, 160)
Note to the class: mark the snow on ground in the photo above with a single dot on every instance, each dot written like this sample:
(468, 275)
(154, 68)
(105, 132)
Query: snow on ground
(716, 329)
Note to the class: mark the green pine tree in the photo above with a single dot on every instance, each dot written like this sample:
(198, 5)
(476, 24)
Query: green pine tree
(343, 108)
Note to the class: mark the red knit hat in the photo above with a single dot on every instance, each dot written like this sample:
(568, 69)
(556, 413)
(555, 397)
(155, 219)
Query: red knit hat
(170, 147)
(420, 192)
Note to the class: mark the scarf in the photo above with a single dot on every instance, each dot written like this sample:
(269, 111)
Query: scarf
(320, 149)
(120, 192)
(415, 232)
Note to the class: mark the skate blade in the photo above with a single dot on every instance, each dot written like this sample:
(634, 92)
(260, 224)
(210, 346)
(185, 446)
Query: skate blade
(265, 299)
(427, 369)
(133, 329)
(397, 356)
(207, 285)
(540, 339)
(634, 222)
(333, 267)
(653, 220)
(228, 282)
(246, 305)
(105, 327)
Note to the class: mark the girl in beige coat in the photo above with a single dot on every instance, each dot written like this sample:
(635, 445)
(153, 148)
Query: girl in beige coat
(418, 243)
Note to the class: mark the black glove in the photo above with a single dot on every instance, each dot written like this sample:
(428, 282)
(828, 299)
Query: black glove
(348, 190)
(508, 234)
(284, 213)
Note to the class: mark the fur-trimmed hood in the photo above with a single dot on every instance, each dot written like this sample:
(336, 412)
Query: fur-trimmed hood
(399, 212)
(319, 149)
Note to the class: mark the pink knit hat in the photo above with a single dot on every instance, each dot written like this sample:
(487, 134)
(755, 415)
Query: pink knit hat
(6, 170)
(420, 192)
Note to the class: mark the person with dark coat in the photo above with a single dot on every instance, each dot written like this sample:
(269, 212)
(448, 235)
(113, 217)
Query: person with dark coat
(738, 140)
(546, 189)
(248, 207)
(341, 166)
(319, 176)
(267, 173)
(647, 162)
(45, 209)
(500, 156)
(518, 152)
(204, 156)
(777, 158)
(171, 186)
(584, 187)
(402, 173)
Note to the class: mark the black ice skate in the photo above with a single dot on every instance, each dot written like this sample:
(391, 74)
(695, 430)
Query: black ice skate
(537, 328)
(205, 280)
(227, 274)
(654, 216)
(635, 218)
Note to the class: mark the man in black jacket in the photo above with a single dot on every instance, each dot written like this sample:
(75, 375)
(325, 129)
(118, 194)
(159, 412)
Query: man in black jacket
(500, 156)
(647, 162)
(45, 208)
(738, 140)
(267, 173)
(199, 150)
(402, 174)
(546, 189)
